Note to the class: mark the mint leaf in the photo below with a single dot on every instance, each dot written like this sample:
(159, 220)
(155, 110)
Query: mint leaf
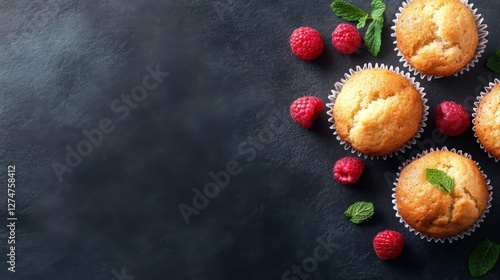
(440, 179)
(362, 22)
(378, 8)
(494, 62)
(483, 258)
(373, 36)
(347, 12)
(360, 211)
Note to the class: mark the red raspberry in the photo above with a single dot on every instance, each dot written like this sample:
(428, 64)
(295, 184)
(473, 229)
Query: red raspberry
(451, 118)
(346, 38)
(347, 170)
(306, 43)
(388, 244)
(305, 110)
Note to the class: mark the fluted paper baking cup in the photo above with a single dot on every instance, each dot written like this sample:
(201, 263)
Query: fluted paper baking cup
(459, 235)
(486, 90)
(338, 87)
(481, 30)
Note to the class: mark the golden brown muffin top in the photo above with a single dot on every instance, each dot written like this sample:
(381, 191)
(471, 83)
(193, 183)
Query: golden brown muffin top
(431, 211)
(437, 37)
(487, 121)
(377, 111)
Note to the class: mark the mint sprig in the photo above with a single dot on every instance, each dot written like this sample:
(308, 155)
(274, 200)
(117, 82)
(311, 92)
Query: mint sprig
(351, 13)
(348, 12)
(360, 212)
(494, 62)
(483, 258)
(440, 180)
(373, 36)
(378, 8)
(362, 22)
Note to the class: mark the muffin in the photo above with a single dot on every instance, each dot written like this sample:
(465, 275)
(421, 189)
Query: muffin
(377, 111)
(430, 210)
(437, 37)
(487, 123)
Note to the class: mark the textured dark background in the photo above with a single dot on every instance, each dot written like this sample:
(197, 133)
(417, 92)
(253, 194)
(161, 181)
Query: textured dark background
(231, 79)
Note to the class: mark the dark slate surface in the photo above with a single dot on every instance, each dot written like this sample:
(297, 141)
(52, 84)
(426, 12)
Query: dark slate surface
(68, 66)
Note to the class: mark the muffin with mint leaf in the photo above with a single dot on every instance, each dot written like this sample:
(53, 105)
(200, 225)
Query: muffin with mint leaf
(442, 195)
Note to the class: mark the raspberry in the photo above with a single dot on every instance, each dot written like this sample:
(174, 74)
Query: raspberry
(451, 118)
(347, 170)
(388, 244)
(305, 110)
(306, 43)
(346, 38)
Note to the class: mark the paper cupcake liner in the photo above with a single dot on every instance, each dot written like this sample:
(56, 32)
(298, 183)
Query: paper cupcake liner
(338, 86)
(481, 30)
(459, 235)
(487, 89)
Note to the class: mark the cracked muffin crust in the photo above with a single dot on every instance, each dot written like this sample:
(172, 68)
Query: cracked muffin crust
(437, 37)
(377, 111)
(431, 211)
(487, 123)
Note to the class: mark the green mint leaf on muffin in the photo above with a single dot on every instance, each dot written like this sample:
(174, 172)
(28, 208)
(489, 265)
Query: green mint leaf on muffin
(373, 35)
(494, 62)
(440, 180)
(348, 12)
(483, 258)
(360, 212)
